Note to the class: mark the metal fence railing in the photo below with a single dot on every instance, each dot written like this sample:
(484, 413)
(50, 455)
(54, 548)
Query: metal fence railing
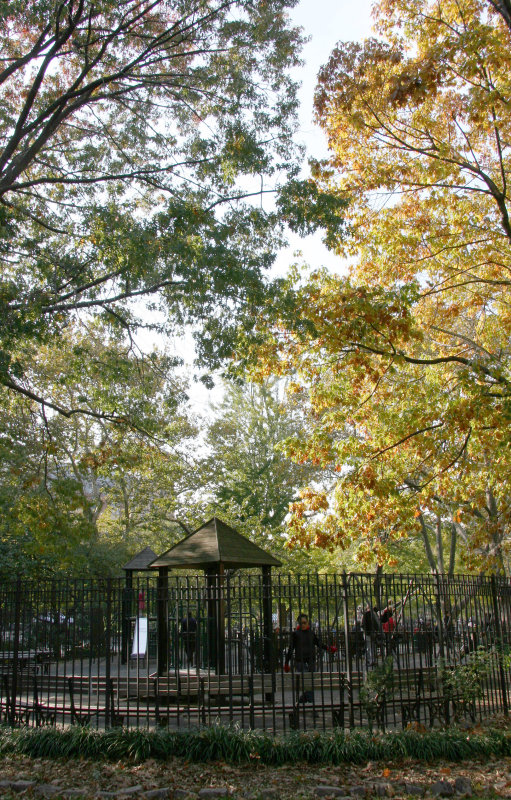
(182, 651)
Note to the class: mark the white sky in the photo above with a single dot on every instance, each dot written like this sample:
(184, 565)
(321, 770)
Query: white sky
(325, 22)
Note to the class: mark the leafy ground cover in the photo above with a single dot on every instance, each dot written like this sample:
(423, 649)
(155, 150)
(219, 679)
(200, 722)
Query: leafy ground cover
(489, 777)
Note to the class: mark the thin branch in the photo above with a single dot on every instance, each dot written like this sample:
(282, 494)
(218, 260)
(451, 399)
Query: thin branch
(405, 438)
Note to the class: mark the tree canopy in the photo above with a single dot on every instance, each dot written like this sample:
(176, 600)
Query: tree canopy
(133, 135)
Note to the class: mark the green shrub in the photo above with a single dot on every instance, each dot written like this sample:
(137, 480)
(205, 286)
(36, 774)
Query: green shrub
(236, 746)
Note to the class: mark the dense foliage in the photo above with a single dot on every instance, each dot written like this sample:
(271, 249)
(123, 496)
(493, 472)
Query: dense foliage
(134, 136)
(78, 495)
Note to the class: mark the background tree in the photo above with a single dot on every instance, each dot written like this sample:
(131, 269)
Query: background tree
(247, 479)
(132, 135)
(79, 495)
(245, 464)
(405, 364)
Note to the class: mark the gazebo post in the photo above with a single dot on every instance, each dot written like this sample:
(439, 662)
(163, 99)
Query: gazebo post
(220, 622)
(216, 619)
(139, 563)
(163, 621)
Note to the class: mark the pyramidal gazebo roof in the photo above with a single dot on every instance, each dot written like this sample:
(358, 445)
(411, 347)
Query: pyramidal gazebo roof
(212, 544)
(141, 561)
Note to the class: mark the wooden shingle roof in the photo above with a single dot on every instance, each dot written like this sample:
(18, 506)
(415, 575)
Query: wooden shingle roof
(141, 561)
(212, 544)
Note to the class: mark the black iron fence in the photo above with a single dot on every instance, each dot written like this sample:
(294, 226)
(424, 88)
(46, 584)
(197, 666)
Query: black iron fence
(386, 651)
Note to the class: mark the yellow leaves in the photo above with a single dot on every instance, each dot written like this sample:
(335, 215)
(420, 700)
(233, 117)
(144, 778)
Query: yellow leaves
(322, 540)
(410, 121)
(295, 388)
(314, 501)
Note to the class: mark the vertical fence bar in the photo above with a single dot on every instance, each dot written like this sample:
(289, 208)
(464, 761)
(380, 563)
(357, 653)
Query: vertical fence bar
(498, 630)
(345, 598)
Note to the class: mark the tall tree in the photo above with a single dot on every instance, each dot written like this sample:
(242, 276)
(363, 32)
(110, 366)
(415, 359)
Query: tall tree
(132, 136)
(405, 364)
(245, 464)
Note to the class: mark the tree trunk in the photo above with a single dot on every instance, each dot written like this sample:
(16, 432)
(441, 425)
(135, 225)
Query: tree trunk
(427, 545)
(439, 545)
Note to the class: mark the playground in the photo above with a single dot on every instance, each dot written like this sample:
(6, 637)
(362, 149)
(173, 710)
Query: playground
(162, 648)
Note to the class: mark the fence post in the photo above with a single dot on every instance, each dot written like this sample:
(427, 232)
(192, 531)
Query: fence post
(345, 600)
(498, 631)
(127, 594)
(268, 665)
(15, 655)
(108, 645)
(440, 628)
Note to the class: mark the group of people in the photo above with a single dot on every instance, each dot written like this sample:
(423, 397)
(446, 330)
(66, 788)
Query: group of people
(304, 642)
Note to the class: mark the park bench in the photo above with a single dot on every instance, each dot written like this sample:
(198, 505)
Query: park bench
(29, 662)
(14, 711)
(43, 714)
(419, 693)
(422, 694)
(19, 709)
(333, 692)
(98, 691)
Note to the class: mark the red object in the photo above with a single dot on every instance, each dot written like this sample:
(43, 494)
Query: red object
(141, 601)
(332, 648)
(287, 668)
(389, 626)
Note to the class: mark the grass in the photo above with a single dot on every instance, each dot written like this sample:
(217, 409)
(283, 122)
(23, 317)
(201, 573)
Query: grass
(235, 746)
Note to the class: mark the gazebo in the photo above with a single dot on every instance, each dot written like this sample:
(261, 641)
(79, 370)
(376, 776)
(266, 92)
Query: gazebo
(139, 563)
(214, 547)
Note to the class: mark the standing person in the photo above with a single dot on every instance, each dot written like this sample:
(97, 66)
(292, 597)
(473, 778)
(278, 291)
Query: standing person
(372, 629)
(357, 640)
(302, 651)
(387, 618)
(189, 636)
(388, 625)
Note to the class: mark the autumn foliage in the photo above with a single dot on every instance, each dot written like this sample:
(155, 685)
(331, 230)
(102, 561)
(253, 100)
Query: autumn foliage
(403, 367)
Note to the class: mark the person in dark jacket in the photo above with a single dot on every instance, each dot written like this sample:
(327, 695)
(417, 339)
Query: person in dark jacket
(188, 636)
(302, 652)
(372, 630)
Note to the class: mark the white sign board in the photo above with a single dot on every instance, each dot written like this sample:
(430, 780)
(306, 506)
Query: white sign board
(140, 638)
